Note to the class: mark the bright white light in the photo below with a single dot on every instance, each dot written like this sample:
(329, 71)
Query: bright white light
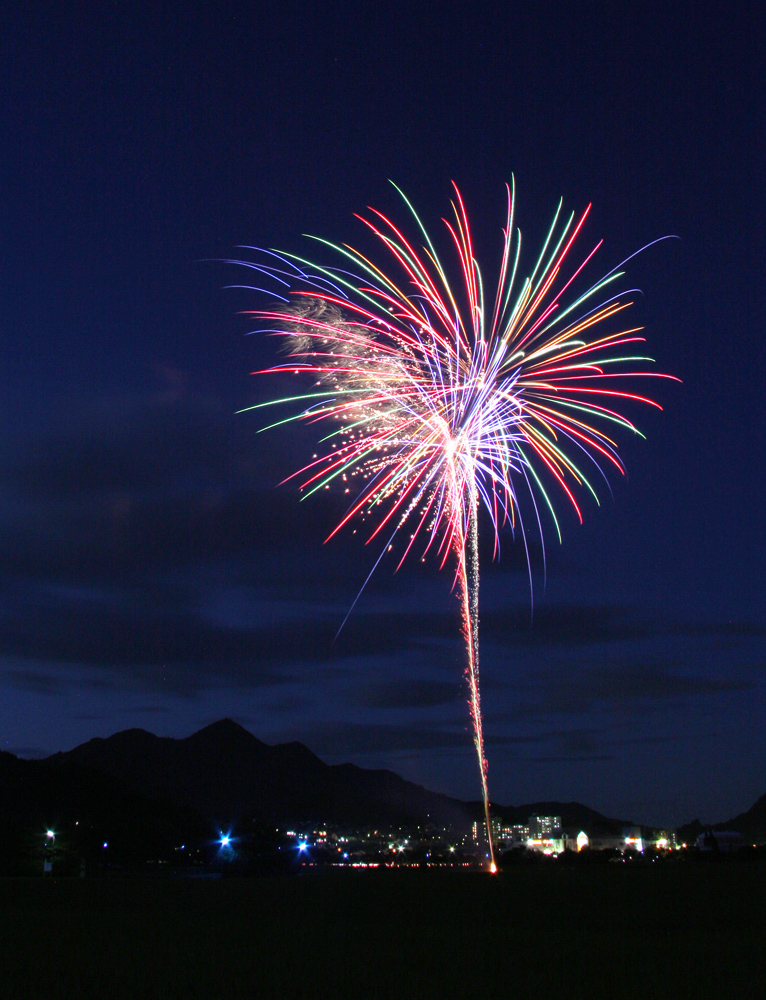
(225, 840)
(105, 844)
(302, 846)
(50, 833)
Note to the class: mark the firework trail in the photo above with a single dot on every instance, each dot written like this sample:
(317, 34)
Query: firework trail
(440, 400)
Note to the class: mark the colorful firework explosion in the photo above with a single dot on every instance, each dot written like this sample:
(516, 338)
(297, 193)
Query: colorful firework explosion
(440, 401)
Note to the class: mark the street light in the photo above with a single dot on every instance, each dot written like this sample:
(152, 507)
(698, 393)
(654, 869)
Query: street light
(50, 837)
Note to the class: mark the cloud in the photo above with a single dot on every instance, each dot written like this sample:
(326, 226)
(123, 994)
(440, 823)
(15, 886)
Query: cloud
(568, 758)
(652, 681)
(346, 738)
(153, 447)
(122, 635)
(108, 496)
(146, 709)
(577, 625)
(409, 693)
(149, 544)
(32, 681)
(336, 738)
(161, 641)
(285, 706)
(159, 634)
(622, 689)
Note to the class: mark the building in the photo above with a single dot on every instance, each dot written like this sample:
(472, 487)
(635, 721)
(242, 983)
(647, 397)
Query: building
(541, 827)
(725, 841)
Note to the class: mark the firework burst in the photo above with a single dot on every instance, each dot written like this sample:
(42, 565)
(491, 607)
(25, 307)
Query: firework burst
(440, 400)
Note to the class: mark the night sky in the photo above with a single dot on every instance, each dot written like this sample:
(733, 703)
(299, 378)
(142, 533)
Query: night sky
(153, 573)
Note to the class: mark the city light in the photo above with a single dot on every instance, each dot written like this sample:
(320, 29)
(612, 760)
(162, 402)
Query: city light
(428, 846)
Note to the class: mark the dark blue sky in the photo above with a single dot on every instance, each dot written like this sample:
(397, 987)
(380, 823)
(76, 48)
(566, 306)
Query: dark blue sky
(151, 572)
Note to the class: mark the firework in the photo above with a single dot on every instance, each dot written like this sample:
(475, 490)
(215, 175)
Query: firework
(440, 400)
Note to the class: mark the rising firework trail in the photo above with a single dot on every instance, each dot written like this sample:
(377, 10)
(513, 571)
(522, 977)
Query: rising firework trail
(439, 400)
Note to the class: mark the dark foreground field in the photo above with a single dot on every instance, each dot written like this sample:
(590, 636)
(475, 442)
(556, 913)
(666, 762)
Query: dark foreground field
(672, 930)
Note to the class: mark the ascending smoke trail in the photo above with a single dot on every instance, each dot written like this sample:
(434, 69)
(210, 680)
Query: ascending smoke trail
(440, 403)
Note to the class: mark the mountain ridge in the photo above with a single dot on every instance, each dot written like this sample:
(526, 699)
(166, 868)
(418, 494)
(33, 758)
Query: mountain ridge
(223, 771)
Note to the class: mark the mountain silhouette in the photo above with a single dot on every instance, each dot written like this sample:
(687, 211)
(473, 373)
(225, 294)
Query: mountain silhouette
(224, 773)
(751, 824)
(103, 818)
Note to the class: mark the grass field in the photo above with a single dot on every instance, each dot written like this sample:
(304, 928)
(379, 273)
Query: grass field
(674, 930)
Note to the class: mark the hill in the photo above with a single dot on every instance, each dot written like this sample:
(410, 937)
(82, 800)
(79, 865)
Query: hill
(224, 772)
(221, 774)
(751, 824)
(103, 818)
(573, 815)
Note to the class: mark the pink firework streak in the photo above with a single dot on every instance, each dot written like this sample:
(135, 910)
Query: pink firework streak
(438, 405)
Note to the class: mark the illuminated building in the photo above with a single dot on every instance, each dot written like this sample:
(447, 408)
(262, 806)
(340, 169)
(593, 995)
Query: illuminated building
(633, 839)
(541, 827)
